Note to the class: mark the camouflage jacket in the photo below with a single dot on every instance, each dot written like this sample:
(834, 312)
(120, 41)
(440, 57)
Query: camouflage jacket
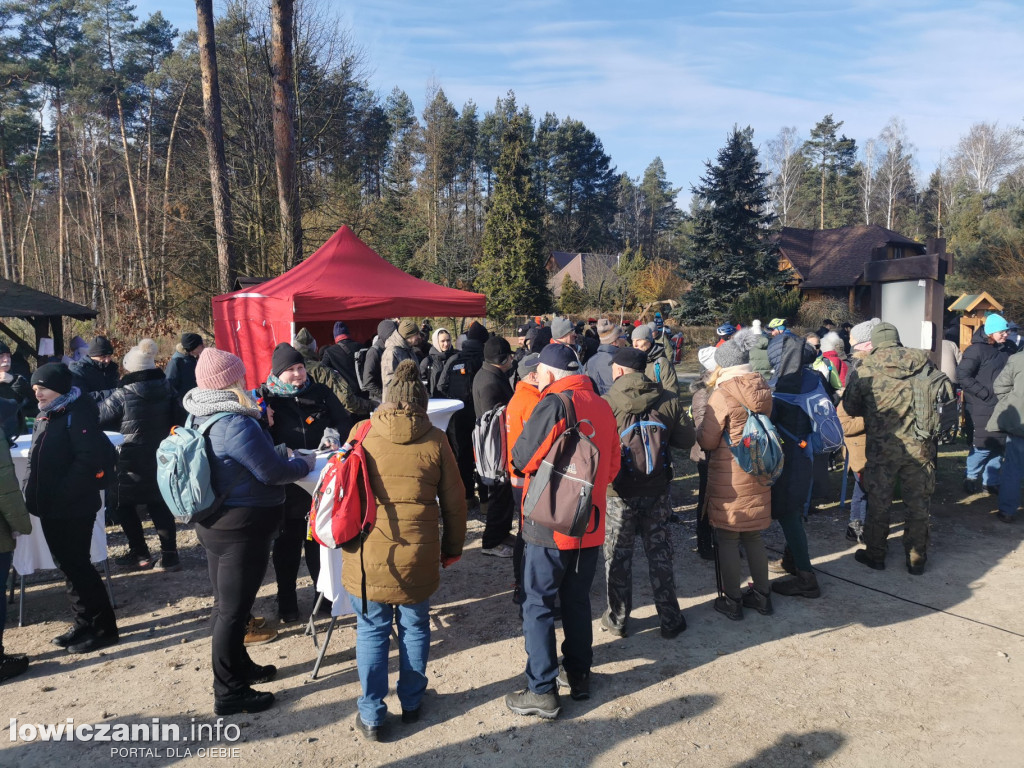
(880, 390)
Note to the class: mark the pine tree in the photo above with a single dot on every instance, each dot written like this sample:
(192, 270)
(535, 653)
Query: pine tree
(573, 299)
(732, 250)
(512, 268)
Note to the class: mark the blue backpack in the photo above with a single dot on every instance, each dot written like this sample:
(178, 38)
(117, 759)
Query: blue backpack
(759, 451)
(183, 471)
(826, 430)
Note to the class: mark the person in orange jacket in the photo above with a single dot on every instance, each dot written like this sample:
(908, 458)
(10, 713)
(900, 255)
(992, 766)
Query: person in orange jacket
(517, 412)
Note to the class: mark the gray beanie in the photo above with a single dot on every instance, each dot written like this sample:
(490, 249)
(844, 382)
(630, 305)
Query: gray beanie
(736, 351)
(642, 332)
(861, 332)
(561, 327)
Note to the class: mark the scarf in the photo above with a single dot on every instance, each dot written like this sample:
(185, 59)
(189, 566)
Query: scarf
(279, 388)
(61, 402)
(206, 402)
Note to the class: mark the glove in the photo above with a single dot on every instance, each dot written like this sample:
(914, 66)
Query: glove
(331, 441)
(310, 459)
(447, 560)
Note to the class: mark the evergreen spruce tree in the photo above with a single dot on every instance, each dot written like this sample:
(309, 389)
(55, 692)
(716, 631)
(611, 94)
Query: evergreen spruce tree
(512, 268)
(732, 249)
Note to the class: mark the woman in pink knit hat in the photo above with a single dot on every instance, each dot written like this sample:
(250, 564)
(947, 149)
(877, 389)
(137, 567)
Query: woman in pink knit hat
(248, 475)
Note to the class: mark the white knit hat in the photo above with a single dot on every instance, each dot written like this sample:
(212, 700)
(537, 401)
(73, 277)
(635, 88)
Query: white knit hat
(138, 359)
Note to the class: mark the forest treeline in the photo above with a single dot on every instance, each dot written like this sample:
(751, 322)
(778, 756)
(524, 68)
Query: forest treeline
(106, 197)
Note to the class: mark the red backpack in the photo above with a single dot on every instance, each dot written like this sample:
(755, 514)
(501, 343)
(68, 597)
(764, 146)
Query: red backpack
(344, 508)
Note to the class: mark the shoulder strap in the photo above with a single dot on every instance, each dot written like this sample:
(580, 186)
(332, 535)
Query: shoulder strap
(570, 412)
(210, 421)
(364, 430)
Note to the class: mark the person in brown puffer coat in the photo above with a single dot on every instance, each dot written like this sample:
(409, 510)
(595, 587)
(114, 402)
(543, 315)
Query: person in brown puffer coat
(738, 505)
(421, 527)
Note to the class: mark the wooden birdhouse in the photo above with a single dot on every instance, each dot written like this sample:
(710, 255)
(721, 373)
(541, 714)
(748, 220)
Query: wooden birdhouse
(975, 308)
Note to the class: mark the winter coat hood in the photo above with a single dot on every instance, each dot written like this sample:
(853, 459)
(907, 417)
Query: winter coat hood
(400, 425)
(633, 393)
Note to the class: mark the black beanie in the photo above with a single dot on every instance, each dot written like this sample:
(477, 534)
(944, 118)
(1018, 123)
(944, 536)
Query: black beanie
(477, 332)
(632, 358)
(496, 349)
(55, 376)
(98, 347)
(191, 341)
(4, 349)
(285, 356)
(385, 328)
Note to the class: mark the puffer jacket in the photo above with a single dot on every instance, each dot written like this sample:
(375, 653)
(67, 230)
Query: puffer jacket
(13, 513)
(396, 349)
(19, 391)
(143, 409)
(64, 461)
(1008, 416)
(698, 404)
(660, 369)
(979, 367)
(633, 394)
(181, 371)
(95, 379)
(545, 424)
(736, 501)
(421, 508)
(524, 400)
(371, 363)
(853, 427)
(759, 357)
(599, 368)
(245, 464)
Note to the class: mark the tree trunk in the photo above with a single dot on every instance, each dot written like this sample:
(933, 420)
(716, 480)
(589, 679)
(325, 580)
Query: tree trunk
(215, 145)
(167, 192)
(281, 71)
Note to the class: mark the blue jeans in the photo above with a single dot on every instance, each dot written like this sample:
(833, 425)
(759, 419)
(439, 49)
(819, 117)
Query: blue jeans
(567, 575)
(1013, 470)
(373, 638)
(859, 503)
(6, 558)
(982, 459)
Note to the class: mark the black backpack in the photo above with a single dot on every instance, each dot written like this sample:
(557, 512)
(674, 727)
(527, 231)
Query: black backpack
(456, 378)
(645, 451)
(360, 362)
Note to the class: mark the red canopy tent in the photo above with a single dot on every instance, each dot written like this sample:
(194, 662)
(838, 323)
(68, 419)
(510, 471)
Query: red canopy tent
(344, 280)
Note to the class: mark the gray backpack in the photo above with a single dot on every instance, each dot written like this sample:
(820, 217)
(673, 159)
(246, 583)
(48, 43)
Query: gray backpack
(490, 446)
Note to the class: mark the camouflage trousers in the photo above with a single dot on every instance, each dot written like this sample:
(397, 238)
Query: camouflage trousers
(648, 516)
(914, 467)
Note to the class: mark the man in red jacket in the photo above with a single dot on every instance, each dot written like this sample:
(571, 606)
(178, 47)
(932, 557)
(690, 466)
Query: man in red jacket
(557, 566)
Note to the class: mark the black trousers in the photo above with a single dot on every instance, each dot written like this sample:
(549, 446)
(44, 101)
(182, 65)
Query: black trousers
(69, 540)
(705, 537)
(289, 546)
(499, 515)
(163, 522)
(237, 562)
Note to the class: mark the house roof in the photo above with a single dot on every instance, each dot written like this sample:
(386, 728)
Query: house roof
(968, 301)
(835, 258)
(586, 269)
(559, 259)
(18, 300)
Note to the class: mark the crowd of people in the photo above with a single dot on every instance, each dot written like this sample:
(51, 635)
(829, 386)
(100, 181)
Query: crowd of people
(618, 380)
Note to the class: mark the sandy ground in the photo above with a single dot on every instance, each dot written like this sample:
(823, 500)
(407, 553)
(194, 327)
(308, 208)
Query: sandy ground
(884, 669)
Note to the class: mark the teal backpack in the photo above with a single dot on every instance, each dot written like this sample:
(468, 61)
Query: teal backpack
(183, 472)
(759, 451)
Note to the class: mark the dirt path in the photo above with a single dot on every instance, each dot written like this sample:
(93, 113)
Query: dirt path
(884, 669)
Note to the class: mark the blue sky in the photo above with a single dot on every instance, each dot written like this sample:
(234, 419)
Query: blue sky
(670, 79)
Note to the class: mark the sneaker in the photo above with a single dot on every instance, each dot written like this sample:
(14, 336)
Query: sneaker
(732, 609)
(578, 685)
(760, 602)
(526, 702)
(1005, 517)
(287, 610)
(12, 665)
(246, 700)
(261, 674)
(861, 556)
(257, 621)
(991, 490)
(855, 532)
(95, 640)
(134, 561)
(258, 635)
(169, 562)
(609, 626)
(670, 632)
(970, 485)
(502, 550)
(369, 732)
(73, 635)
(410, 716)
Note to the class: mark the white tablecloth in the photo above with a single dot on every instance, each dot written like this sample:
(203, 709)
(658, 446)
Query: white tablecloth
(30, 552)
(329, 581)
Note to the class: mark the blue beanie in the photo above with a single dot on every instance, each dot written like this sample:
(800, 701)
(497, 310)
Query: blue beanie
(995, 324)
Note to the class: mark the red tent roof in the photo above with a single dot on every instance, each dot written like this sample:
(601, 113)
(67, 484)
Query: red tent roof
(346, 278)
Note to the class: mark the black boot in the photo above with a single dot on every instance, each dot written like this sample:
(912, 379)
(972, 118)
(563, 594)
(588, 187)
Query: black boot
(733, 609)
(804, 584)
(759, 601)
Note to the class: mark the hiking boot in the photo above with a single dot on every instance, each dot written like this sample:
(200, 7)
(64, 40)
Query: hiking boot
(246, 700)
(410, 716)
(855, 532)
(733, 609)
(970, 485)
(261, 674)
(258, 635)
(759, 601)
(607, 625)
(169, 562)
(502, 550)
(526, 702)
(12, 665)
(706, 551)
(804, 584)
(73, 635)
(861, 556)
(670, 632)
(915, 564)
(1005, 517)
(95, 640)
(578, 685)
